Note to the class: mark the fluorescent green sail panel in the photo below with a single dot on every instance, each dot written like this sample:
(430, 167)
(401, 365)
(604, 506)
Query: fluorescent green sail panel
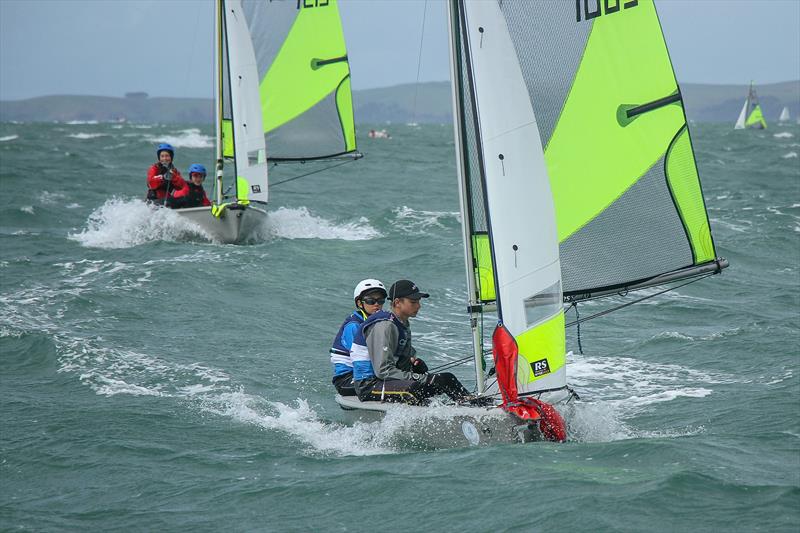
(542, 350)
(242, 190)
(685, 186)
(596, 151)
(344, 104)
(484, 269)
(756, 117)
(311, 64)
(227, 138)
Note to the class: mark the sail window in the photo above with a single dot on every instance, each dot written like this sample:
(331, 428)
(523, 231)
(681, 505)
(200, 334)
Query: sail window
(543, 305)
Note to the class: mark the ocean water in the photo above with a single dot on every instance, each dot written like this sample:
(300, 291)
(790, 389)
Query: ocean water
(154, 380)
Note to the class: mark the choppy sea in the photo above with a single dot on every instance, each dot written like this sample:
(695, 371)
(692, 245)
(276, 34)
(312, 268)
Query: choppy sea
(154, 380)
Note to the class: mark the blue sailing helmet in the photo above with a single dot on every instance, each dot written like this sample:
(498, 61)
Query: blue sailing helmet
(165, 146)
(197, 167)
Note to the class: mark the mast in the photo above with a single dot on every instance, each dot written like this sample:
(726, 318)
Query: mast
(466, 229)
(218, 96)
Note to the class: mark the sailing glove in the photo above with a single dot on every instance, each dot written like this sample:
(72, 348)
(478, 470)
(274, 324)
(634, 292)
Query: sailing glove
(419, 366)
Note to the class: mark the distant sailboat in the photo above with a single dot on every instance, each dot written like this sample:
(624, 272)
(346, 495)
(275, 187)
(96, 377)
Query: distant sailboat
(751, 115)
(784, 115)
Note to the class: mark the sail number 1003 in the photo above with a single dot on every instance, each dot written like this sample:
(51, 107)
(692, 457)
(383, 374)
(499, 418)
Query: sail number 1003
(607, 7)
(311, 3)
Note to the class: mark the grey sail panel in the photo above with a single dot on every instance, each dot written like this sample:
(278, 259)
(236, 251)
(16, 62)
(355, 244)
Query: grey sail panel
(319, 127)
(550, 55)
(645, 210)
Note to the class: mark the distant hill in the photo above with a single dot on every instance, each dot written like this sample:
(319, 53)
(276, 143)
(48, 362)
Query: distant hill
(704, 103)
(135, 107)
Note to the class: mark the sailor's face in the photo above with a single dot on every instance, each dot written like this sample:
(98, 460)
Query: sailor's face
(197, 178)
(409, 307)
(164, 157)
(373, 302)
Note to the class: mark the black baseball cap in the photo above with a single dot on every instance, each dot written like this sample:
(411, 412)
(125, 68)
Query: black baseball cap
(405, 288)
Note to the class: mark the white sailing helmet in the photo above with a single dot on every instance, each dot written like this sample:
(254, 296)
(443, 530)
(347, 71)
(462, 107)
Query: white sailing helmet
(367, 285)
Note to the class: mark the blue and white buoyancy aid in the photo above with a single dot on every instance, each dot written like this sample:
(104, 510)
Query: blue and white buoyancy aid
(340, 351)
(359, 354)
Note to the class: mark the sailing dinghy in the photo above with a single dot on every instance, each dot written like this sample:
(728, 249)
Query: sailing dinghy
(785, 117)
(577, 181)
(282, 94)
(751, 115)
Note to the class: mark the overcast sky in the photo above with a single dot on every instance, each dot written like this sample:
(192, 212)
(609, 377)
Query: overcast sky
(164, 47)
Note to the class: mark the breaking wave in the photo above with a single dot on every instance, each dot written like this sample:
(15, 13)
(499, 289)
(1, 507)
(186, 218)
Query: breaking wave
(299, 223)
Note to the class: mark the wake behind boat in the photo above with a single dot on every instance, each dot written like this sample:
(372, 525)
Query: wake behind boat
(282, 93)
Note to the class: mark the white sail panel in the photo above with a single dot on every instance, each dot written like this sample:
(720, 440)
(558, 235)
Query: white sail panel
(519, 199)
(742, 116)
(248, 137)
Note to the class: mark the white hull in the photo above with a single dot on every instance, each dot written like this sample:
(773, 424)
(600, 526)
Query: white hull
(440, 425)
(238, 224)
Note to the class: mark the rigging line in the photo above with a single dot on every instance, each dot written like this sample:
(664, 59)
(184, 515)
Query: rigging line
(611, 310)
(451, 364)
(578, 321)
(271, 185)
(419, 62)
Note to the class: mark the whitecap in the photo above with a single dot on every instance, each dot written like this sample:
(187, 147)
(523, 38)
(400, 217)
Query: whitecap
(51, 198)
(190, 138)
(783, 135)
(9, 138)
(87, 135)
(415, 221)
(80, 122)
(790, 155)
(298, 223)
(730, 225)
(27, 209)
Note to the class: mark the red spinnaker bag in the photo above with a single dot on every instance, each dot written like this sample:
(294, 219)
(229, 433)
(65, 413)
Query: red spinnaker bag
(506, 353)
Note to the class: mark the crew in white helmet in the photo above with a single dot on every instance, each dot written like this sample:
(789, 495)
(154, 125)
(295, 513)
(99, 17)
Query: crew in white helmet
(369, 296)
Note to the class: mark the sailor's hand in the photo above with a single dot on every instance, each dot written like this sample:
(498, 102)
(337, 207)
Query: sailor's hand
(418, 365)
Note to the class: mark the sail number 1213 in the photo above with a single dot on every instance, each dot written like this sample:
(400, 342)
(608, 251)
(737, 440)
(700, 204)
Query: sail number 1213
(311, 3)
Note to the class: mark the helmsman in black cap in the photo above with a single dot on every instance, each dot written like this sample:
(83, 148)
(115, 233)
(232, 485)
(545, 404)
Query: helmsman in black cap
(385, 364)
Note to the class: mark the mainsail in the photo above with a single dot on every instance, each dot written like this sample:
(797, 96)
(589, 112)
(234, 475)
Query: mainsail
(751, 115)
(784, 115)
(284, 87)
(619, 176)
